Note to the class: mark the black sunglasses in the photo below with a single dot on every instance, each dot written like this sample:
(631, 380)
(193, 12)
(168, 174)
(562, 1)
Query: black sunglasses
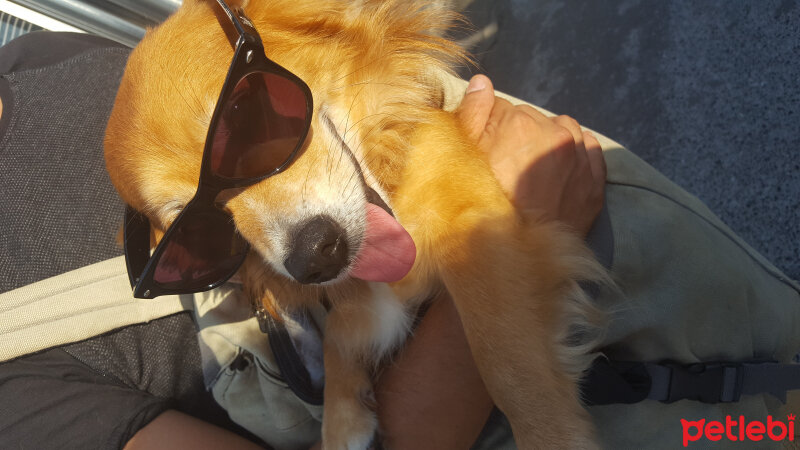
(261, 120)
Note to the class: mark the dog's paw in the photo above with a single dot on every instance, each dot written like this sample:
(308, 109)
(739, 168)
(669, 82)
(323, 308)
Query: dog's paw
(349, 426)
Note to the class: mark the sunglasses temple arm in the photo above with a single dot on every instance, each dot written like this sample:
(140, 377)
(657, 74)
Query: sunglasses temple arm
(137, 244)
(244, 27)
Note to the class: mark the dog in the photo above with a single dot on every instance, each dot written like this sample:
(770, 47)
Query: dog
(395, 177)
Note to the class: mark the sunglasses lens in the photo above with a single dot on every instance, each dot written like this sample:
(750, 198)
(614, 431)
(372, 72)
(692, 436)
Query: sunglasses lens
(260, 126)
(203, 250)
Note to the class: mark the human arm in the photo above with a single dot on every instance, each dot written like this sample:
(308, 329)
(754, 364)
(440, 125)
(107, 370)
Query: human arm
(432, 396)
(174, 430)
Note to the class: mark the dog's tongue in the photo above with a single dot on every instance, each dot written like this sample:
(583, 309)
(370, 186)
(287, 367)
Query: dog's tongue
(388, 251)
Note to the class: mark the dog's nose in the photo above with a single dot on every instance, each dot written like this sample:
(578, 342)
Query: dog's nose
(319, 251)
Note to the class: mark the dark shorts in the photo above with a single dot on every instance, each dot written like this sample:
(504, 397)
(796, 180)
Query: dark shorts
(98, 393)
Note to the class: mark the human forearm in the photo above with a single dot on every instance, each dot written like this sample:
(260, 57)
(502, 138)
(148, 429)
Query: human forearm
(432, 396)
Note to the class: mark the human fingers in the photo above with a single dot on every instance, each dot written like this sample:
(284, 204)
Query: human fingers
(512, 140)
(476, 107)
(575, 130)
(597, 162)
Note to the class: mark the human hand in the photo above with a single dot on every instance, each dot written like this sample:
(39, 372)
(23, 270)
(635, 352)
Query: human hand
(546, 165)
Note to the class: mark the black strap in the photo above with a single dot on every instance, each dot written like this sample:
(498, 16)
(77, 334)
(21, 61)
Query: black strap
(610, 382)
(607, 382)
(289, 362)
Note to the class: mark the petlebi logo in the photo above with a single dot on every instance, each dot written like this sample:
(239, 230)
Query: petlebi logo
(738, 430)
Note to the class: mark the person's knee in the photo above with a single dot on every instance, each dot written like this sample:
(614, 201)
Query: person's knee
(176, 430)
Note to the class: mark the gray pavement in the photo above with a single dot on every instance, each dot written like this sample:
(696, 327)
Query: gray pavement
(707, 92)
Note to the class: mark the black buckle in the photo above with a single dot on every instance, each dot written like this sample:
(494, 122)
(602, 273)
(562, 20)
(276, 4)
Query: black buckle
(261, 316)
(706, 382)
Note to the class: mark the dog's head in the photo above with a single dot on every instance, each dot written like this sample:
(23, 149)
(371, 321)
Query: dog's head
(373, 68)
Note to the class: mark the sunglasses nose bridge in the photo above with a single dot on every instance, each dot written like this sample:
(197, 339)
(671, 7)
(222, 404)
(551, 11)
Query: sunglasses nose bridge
(204, 198)
(217, 195)
(207, 192)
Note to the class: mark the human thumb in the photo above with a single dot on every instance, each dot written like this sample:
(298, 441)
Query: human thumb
(476, 107)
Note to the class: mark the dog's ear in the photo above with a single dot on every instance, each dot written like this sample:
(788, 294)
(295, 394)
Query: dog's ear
(238, 3)
(416, 33)
(439, 4)
(355, 8)
(436, 89)
(213, 3)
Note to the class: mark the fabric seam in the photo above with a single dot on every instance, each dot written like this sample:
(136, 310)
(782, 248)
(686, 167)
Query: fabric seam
(44, 296)
(61, 64)
(8, 109)
(777, 275)
(10, 78)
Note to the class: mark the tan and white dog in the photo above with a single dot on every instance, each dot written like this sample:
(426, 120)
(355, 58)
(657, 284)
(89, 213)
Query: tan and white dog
(392, 177)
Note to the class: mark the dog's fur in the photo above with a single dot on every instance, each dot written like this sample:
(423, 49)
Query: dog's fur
(374, 69)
